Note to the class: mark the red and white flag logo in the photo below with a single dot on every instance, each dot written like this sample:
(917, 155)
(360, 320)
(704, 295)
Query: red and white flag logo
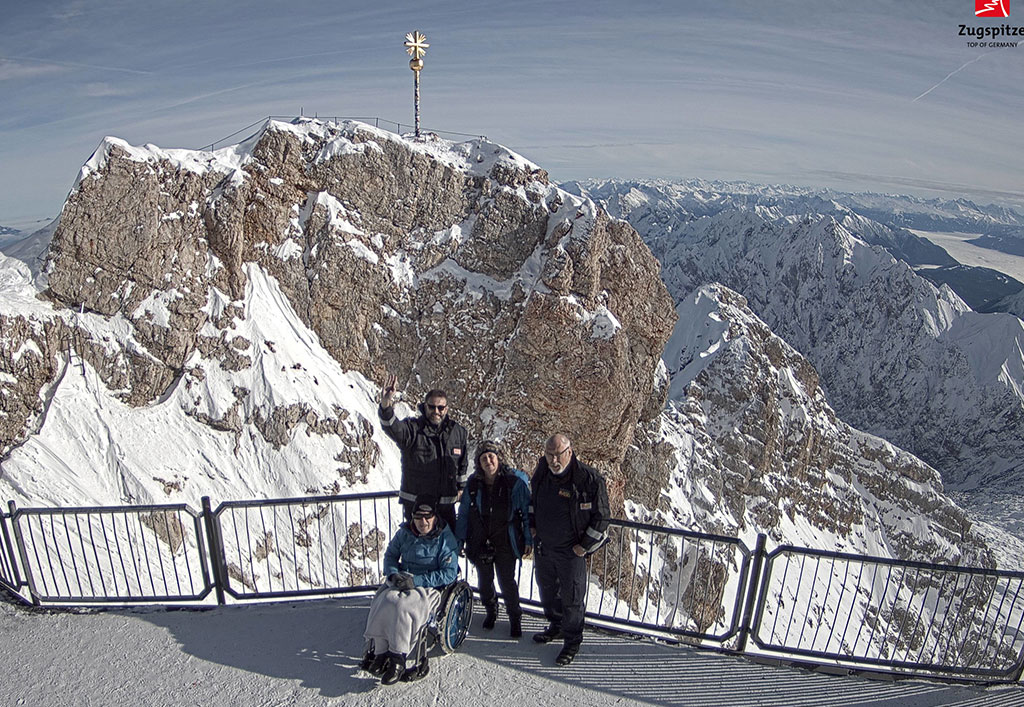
(992, 8)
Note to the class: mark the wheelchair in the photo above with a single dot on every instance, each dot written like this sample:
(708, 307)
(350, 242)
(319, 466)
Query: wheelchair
(448, 626)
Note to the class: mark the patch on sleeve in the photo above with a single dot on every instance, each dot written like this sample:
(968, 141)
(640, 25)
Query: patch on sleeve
(586, 506)
(457, 450)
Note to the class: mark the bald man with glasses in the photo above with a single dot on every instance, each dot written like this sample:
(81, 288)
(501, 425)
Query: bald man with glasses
(569, 519)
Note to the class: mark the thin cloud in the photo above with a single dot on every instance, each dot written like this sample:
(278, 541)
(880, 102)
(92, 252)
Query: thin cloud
(101, 90)
(10, 70)
(71, 11)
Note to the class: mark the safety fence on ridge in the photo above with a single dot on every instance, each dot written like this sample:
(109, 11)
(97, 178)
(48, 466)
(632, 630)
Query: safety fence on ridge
(857, 612)
(380, 123)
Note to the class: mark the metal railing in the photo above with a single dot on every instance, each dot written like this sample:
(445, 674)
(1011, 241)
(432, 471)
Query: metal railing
(891, 613)
(305, 546)
(115, 555)
(669, 581)
(380, 123)
(907, 618)
(9, 575)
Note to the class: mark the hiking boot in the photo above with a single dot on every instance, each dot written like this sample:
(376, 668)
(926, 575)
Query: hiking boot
(367, 660)
(395, 669)
(568, 652)
(418, 672)
(515, 626)
(490, 618)
(548, 635)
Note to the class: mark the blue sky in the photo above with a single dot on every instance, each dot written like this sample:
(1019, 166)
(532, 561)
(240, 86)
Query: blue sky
(807, 93)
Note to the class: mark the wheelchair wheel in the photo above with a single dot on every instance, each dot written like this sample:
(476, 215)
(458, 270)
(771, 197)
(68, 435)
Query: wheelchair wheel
(456, 613)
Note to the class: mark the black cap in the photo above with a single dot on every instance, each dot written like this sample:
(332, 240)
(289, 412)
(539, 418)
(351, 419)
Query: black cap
(424, 507)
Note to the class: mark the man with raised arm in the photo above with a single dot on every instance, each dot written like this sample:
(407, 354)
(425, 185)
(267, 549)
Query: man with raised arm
(434, 458)
(569, 519)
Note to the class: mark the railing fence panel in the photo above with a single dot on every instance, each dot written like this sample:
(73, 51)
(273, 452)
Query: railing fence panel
(902, 615)
(122, 554)
(10, 576)
(298, 547)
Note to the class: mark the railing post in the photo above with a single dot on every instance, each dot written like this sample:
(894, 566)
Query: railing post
(753, 580)
(216, 545)
(1019, 670)
(30, 581)
(12, 558)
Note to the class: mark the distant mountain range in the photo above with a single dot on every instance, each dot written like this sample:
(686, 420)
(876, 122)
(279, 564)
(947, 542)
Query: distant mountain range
(982, 288)
(898, 356)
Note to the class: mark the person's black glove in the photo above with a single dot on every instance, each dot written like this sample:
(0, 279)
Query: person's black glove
(402, 581)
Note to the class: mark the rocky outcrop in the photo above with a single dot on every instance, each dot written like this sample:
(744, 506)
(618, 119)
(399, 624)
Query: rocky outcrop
(455, 266)
(752, 445)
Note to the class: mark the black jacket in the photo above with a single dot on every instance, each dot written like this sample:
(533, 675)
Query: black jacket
(589, 513)
(434, 462)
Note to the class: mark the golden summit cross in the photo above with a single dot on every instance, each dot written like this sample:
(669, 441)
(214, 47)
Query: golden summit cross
(416, 45)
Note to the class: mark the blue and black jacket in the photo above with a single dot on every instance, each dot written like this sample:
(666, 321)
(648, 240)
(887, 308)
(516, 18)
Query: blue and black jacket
(471, 526)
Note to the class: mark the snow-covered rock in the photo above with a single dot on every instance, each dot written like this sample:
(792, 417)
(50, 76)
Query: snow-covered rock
(748, 443)
(252, 293)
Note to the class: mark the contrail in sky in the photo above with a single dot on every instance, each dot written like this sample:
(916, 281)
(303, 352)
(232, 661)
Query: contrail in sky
(951, 73)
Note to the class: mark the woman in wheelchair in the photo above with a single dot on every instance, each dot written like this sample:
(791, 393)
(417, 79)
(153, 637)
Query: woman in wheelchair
(421, 560)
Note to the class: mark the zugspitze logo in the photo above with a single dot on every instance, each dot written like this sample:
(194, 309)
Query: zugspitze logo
(992, 8)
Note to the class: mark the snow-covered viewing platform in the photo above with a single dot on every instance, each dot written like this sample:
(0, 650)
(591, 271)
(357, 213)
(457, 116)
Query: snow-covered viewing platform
(306, 653)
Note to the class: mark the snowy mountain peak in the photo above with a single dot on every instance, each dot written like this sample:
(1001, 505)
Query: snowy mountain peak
(251, 293)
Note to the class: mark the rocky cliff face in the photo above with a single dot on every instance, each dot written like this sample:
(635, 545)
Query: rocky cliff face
(458, 266)
(748, 443)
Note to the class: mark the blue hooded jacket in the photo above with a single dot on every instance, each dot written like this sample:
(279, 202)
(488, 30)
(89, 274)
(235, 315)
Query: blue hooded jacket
(432, 559)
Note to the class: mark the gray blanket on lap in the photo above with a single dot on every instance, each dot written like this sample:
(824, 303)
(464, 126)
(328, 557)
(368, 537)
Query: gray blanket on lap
(396, 617)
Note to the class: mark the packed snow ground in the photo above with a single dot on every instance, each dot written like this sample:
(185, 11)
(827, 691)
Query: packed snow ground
(305, 653)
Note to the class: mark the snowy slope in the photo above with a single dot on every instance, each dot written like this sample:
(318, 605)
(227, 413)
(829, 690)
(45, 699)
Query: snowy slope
(756, 447)
(92, 448)
(1014, 304)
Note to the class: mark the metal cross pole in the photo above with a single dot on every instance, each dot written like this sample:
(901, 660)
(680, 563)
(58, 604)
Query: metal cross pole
(416, 45)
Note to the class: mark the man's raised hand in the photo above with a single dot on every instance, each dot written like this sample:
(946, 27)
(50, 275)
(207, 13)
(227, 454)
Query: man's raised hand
(388, 392)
